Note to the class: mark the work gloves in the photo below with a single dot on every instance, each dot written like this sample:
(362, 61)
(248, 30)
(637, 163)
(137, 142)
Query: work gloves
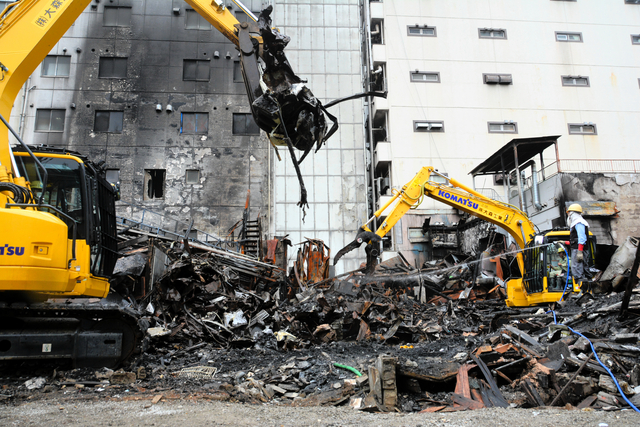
(580, 256)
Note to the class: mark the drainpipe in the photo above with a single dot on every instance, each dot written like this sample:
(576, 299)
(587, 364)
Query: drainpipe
(534, 183)
(368, 71)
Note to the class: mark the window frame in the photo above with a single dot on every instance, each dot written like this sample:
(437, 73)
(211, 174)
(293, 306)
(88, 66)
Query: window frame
(245, 133)
(195, 115)
(43, 68)
(503, 123)
(569, 33)
(500, 77)
(504, 30)
(186, 177)
(40, 111)
(582, 125)
(428, 128)
(564, 78)
(149, 175)
(200, 18)
(198, 62)
(424, 73)
(421, 27)
(118, 24)
(113, 58)
(95, 117)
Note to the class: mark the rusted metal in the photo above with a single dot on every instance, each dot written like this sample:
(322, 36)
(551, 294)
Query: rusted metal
(312, 262)
(596, 208)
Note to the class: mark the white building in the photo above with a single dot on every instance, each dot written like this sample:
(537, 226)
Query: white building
(465, 77)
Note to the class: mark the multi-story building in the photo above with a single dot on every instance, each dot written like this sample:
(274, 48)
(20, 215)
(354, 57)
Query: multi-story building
(152, 89)
(466, 77)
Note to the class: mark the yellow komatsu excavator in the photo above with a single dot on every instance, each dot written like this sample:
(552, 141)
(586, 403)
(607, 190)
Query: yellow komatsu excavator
(533, 285)
(57, 211)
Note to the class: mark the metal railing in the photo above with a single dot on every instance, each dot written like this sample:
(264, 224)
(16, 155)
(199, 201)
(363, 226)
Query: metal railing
(161, 224)
(599, 165)
(490, 193)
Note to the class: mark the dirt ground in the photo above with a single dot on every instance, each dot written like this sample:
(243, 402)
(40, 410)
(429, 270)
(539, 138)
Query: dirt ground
(206, 413)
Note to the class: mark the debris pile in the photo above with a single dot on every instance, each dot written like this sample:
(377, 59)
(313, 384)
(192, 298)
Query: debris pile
(440, 338)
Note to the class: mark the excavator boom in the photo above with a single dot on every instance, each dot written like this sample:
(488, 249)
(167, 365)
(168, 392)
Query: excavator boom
(531, 288)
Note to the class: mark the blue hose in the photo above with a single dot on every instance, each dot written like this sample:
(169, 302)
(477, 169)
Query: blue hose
(597, 358)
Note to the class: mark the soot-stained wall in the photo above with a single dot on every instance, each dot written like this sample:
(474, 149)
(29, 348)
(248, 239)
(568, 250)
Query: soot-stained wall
(155, 45)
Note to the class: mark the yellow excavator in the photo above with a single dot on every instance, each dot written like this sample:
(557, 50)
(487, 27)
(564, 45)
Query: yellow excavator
(533, 284)
(57, 211)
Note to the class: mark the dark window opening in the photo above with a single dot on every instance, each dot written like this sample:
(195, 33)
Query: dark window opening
(154, 183)
(108, 121)
(111, 67)
(243, 124)
(196, 69)
(117, 16)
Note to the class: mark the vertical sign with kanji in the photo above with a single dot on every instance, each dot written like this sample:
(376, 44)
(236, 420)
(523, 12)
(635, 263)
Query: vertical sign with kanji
(50, 12)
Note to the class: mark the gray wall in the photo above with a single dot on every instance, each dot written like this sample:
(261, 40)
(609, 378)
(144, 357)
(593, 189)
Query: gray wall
(156, 44)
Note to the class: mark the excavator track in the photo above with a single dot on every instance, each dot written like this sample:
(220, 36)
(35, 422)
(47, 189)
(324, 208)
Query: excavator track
(95, 334)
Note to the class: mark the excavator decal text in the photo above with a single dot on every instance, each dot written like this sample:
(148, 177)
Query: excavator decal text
(461, 200)
(11, 250)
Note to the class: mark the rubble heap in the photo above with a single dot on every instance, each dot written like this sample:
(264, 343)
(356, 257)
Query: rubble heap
(231, 327)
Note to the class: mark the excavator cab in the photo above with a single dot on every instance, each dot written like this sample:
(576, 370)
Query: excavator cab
(547, 263)
(76, 192)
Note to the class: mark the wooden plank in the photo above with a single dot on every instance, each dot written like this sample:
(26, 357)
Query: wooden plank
(588, 401)
(499, 398)
(466, 402)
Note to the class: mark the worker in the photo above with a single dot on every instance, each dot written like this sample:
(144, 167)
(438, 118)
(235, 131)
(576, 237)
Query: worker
(558, 272)
(579, 230)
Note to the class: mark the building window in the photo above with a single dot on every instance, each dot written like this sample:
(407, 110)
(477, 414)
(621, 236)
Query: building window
(108, 121)
(195, 21)
(237, 72)
(492, 33)
(117, 16)
(243, 124)
(194, 123)
(635, 38)
(424, 76)
(196, 70)
(568, 37)
(503, 79)
(56, 65)
(503, 127)
(428, 126)
(377, 31)
(112, 68)
(113, 176)
(582, 129)
(49, 120)
(154, 183)
(575, 81)
(417, 30)
(632, 1)
(193, 176)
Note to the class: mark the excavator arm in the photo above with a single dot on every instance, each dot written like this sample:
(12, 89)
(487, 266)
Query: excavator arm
(459, 196)
(454, 194)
